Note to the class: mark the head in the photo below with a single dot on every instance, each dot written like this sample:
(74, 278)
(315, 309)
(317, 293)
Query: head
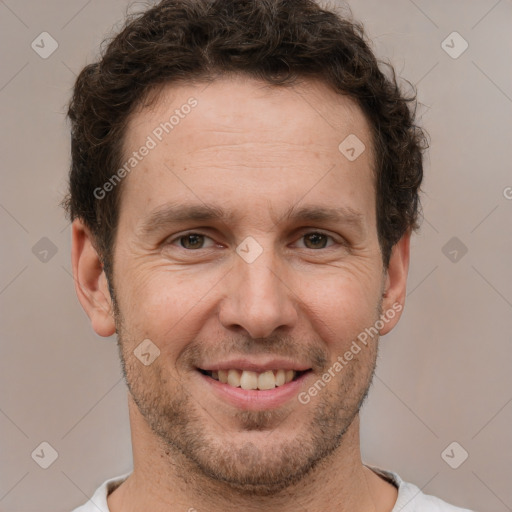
(244, 184)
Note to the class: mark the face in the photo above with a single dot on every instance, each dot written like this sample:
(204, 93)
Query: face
(247, 251)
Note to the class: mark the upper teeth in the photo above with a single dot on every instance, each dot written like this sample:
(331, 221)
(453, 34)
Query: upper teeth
(253, 380)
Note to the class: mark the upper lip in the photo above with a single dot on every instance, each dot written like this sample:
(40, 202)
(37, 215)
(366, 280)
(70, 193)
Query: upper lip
(256, 366)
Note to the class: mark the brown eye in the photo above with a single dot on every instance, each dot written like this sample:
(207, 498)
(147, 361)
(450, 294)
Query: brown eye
(192, 241)
(315, 240)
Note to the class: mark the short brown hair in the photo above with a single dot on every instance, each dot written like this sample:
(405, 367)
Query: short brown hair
(278, 41)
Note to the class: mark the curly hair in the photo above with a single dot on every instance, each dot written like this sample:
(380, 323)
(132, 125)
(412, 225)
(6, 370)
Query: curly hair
(278, 41)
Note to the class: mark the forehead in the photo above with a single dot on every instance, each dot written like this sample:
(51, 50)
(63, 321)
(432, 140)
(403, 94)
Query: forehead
(245, 142)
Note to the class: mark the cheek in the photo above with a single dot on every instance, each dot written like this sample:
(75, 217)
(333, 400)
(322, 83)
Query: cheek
(163, 305)
(341, 308)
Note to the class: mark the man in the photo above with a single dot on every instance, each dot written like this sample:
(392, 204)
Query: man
(243, 189)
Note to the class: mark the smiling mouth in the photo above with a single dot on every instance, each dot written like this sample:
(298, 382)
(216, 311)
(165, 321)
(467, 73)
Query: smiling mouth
(246, 379)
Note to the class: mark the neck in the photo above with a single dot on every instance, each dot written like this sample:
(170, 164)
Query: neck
(164, 480)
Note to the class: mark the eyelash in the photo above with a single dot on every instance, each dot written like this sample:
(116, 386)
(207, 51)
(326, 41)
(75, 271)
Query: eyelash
(188, 233)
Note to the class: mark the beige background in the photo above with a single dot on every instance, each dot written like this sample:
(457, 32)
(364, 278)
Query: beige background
(444, 372)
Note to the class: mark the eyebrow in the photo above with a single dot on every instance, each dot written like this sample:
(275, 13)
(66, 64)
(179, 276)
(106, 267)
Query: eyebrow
(174, 213)
(339, 215)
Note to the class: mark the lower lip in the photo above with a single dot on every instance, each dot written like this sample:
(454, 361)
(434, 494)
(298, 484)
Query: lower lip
(255, 400)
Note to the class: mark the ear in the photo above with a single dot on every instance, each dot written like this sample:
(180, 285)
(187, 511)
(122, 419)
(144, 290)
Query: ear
(90, 281)
(393, 297)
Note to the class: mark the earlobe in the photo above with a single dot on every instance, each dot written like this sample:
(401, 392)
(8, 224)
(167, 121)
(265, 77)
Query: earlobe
(90, 281)
(393, 298)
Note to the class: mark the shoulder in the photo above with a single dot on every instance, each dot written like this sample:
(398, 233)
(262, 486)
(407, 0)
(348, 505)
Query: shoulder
(412, 499)
(98, 502)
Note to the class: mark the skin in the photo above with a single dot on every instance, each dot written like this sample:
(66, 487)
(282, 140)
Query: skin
(254, 150)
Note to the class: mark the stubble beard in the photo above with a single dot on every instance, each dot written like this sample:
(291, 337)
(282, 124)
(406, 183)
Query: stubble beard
(250, 467)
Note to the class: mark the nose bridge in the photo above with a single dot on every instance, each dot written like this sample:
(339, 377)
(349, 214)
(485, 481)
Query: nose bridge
(258, 300)
(258, 279)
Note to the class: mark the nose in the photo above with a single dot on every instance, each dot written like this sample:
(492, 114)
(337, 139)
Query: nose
(258, 298)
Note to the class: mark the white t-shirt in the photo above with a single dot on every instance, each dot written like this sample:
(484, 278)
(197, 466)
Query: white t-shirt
(410, 498)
